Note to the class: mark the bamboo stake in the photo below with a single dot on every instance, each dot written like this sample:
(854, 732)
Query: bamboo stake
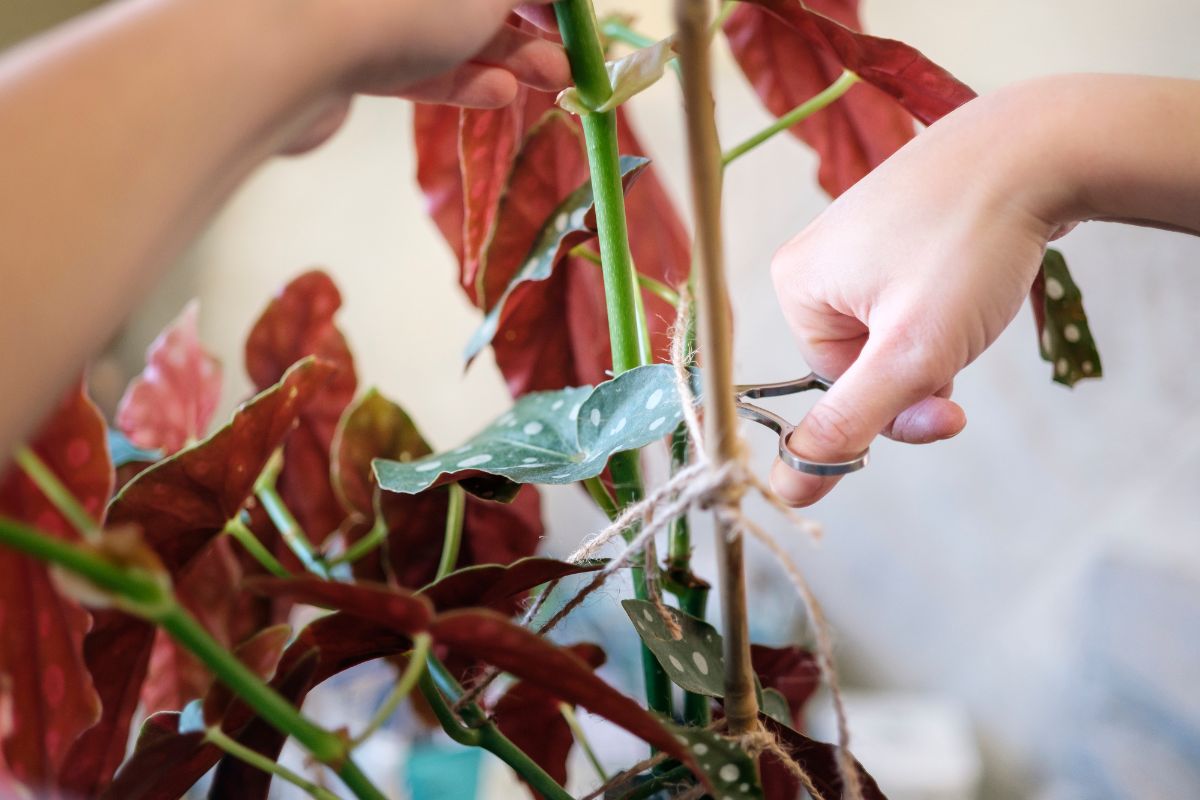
(722, 440)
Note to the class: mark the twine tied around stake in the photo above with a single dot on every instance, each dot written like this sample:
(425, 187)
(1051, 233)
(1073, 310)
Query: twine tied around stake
(705, 485)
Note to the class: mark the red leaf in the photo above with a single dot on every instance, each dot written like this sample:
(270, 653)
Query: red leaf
(819, 760)
(791, 52)
(531, 718)
(51, 700)
(180, 504)
(171, 403)
(166, 763)
(492, 638)
(209, 589)
(498, 587)
(299, 323)
(374, 428)
(487, 141)
(792, 671)
(435, 134)
(384, 605)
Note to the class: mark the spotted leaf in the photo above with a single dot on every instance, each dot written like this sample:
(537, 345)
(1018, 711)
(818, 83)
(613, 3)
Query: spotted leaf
(569, 223)
(553, 437)
(46, 691)
(729, 769)
(171, 403)
(1063, 331)
(695, 661)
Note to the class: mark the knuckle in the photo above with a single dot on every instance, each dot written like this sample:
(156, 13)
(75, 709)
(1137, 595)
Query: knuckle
(831, 429)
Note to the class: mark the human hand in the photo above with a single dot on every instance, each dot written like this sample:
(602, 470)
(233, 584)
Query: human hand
(909, 276)
(465, 53)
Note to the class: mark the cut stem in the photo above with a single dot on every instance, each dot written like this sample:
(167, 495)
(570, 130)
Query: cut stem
(722, 440)
(59, 495)
(217, 737)
(798, 114)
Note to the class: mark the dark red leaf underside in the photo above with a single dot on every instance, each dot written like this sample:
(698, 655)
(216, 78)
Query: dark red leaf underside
(532, 719)
(819, 760)
(45, 687)
(924, 89)
(786, 68)
(496, 586)
(180, 504)
(793, 672)
(299, 323)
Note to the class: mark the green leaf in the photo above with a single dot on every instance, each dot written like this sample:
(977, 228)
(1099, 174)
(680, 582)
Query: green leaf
(727, 766)
(1065, 337)
(570, 219)
(695, 662)
(639, 70)
(775, 706)
(552, 437)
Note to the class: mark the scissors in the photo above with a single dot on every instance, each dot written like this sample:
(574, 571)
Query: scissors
(757, 391)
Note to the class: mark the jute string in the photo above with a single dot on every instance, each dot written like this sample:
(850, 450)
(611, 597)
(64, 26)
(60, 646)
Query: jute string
(704, 485)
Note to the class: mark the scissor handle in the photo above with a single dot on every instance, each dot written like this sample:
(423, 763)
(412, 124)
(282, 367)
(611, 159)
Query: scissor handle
(785, 429)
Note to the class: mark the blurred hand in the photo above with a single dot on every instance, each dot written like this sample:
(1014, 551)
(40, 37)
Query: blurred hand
(463, 53)
(907, 277)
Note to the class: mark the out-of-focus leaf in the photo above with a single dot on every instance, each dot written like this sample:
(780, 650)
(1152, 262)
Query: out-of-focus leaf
(568, 224)
(819, 760)
(488, 140)
(924, 89)
(498, 586)
(299, 323)
(695, 661)
(435, 134)
(628, 75)
(180, 504)
(852, 136)
(47, 691)
(492, 638)
(124, 452)
(532, 719)
(170, 755)
(790, 675)
(492, 533)
(209, 589)
(1064, 336)
(171, 403)
(730, 770)
(553, 437)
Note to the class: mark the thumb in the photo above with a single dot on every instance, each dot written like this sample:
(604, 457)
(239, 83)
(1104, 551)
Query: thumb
(878, 387)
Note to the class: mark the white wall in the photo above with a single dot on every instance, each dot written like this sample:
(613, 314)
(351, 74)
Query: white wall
(968, 567)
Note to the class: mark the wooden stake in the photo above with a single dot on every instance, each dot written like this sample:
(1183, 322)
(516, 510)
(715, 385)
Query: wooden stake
(716, 347)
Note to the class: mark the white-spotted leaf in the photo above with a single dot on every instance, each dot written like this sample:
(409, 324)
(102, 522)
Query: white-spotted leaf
(551, 437)
(1064, 336)
(694, 662)
(730, 771)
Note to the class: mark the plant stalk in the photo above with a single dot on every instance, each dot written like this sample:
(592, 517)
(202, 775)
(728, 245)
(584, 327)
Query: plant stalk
(148, 595)
(403, 688)
(217, 737)
(722, 439)
(798, 114)
(452, 543)
(257, 550)
(283, 520)
(59, 496)
(626, 326)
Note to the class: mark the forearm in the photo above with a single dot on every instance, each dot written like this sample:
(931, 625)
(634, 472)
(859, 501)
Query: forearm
(1113, 147)
(119, 136)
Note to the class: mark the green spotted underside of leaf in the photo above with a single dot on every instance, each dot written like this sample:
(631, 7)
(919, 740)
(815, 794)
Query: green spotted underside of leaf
(730, 771)
(568, 221)
(694, 662)
(1066, 340)
(554, 437)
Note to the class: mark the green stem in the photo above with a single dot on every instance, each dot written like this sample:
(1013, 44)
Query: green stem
(59, 495)
(148, 596)
(482, 732)
(452, 542)
(289, 529)
(726, 9)
(374, 538)
(645, 282)
(801, 112)
(601, 496)
(402, 689)
(217, 737)
(577, 24)
(258, 551)
(672, 777)
(581, 737)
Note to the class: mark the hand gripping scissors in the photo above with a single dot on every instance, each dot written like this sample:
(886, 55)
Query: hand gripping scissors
(757, 391)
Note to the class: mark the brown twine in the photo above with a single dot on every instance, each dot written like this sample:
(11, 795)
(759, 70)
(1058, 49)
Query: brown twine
(624, 777)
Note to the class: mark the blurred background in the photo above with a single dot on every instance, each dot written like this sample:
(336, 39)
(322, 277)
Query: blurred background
(1018, 609)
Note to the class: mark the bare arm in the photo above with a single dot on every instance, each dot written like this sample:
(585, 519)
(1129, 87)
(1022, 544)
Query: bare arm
(914, 272)
(121, 133)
